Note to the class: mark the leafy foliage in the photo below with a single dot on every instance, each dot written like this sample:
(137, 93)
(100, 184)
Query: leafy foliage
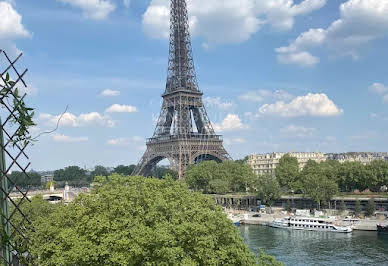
(287, 172)
(288, 206)
(342, 206)
(349, 176)
(357, 208)
(161, 172)
(370, 208)
(70, 173)
(124, 170)
(22, 114)
(268, 189)
(37, 209)
(23, 181)
(317, 184)
(99, 170)
(138, 221)
(220, 178)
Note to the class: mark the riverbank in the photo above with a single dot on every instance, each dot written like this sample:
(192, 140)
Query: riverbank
(248, 218)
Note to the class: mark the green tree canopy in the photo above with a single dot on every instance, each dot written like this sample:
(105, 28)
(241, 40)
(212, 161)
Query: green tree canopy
(370, 207)
(70, 173)
(22, 180)
(220, 178)
(99, 170)
(316, 184)
(268, 189)
(124, 170)
(357, 208)
(287, 172)
(138, 221)
(162, 171)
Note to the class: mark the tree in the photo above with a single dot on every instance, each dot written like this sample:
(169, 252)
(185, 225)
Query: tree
(48, 184)
(319, 188)
(138, 221)
(342, 206)
(268, 189)
(20, 179)
(99, 171)
(288, 206)
(71, 173)
(37, 208)
(124, 170)
(357, 208)
(242, 161)
(161, 171)
(287, 172)
(370, 208)
(220, 178)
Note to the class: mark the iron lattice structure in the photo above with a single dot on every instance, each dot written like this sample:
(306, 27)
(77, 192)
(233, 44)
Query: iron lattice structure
(13, 157)
(183, 134)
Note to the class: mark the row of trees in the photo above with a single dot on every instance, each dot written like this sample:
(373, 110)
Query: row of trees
(77, 176)
(211, 177)
(349, 176)
(135, 221)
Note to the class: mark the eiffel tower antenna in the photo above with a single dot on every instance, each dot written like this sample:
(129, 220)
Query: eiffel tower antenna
(183, 134)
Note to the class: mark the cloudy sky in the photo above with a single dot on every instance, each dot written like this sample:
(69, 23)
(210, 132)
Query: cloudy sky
(277, 75)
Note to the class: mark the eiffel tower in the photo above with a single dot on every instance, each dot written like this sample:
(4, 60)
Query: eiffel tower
(183, 134)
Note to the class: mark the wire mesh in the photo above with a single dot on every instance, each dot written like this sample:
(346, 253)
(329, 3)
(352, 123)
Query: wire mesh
(14, 222)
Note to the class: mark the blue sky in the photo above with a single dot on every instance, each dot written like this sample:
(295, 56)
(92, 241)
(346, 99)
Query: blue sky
(276, 75)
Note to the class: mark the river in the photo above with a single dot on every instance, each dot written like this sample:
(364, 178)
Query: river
(294, 247)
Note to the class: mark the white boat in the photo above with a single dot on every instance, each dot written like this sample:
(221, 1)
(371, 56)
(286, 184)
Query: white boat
(235, 219)
(309, 224)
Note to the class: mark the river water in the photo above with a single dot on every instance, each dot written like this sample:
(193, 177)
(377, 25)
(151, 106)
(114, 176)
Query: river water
(294, 247)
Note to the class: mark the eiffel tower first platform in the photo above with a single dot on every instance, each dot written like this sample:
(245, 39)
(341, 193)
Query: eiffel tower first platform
(184, 134)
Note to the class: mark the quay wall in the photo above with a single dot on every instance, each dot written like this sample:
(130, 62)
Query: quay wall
(252, 202)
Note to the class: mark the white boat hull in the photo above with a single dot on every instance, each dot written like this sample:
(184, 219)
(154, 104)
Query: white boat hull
(285, 224)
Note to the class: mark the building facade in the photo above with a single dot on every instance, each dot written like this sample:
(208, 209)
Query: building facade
(267, 163)
(362, 157)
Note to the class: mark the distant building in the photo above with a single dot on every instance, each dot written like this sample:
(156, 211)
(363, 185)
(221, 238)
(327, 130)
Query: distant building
(362, 157)
(267, 163)
(46, 178)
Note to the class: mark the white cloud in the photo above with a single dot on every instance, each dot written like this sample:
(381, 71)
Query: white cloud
(67, 139)
(93, 9)
(261, 95)
(304, 59)
(308, 105)
(228, 21)
(125, 141)
(378, 88)
(280, 13)
(83, 120)
(230, 123)
(218, 103)
(11, 28)
(117, 108)
(360, 22)
(233, 141)
(298, 131)
(109, 93)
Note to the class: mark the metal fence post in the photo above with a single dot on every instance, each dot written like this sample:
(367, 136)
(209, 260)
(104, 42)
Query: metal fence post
(5, 234)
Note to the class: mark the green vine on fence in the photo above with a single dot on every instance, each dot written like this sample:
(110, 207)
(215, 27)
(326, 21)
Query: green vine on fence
(23, 115)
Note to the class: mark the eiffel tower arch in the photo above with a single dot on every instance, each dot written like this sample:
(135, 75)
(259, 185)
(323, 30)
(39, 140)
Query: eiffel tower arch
(184, 134)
